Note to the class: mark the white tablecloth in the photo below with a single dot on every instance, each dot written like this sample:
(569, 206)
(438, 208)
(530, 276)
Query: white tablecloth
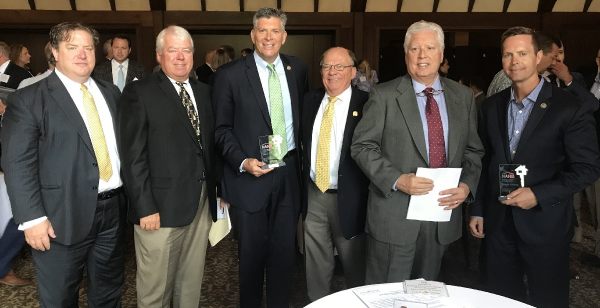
(5, 211)
(465, 297)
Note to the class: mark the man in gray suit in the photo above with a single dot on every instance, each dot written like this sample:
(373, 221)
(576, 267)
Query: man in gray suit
(418, 120)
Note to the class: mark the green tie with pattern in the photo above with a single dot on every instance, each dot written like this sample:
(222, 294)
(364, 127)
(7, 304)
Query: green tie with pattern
(276, 107)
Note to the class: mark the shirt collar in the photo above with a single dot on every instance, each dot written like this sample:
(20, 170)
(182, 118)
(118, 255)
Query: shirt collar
(70, 82)
(344, 96)
(116, 64)
(262, 63)
(419, 87)
(4, 66)
(531, 97)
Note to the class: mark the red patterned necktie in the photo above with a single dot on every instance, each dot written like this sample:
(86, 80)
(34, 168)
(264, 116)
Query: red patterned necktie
(437, 148)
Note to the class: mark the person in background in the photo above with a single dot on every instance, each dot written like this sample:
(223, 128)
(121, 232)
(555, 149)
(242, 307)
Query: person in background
(107, 50)
(51, 62)
(366, 77)
(10, 73)
(19, 54)
(246, 51)
(121, 70)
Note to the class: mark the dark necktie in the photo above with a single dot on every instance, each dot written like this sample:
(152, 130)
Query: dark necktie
(186, 101)
(437, 147)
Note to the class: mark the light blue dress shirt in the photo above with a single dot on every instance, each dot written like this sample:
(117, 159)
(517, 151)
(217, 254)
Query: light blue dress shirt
(441, 101)
(263, 73)
(518, 114)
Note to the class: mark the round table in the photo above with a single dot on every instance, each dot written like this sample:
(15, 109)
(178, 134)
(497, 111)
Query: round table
(464, 297)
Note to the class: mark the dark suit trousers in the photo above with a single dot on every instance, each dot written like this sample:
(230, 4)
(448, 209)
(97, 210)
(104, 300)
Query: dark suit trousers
(546, 267)
(10, 244)
(267, 241)
(60, 269)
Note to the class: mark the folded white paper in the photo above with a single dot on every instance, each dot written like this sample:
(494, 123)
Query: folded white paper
(427, 207)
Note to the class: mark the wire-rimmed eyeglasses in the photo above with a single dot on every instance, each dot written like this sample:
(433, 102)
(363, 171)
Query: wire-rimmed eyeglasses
(337, 67)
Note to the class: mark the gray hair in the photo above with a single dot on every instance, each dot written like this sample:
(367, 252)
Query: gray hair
(423, 25)
(268, 12)
(177, 31)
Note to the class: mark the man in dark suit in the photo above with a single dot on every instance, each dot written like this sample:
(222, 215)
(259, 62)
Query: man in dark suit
(167, 148)
(120, 70)
(204, 71)
(335, 190)
(10, 73)
(552, 134)
(260, 95)
(62, 174)
(418, 120)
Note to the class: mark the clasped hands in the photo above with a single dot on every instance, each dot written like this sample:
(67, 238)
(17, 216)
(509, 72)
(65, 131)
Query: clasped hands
(451, 198)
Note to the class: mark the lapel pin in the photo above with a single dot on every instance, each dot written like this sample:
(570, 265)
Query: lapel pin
(355, 113)
(289, 68)
(543, 105)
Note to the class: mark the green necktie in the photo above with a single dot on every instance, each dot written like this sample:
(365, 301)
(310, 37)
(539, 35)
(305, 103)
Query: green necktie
(276, 107)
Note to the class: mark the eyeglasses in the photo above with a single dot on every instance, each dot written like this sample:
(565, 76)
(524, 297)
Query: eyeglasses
(337, 67)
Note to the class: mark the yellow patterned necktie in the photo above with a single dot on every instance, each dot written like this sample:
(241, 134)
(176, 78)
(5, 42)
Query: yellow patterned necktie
(97, 134)
(323, 146)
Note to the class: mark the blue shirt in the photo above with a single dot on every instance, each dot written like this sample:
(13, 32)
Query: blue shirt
(263, 73)
(518, 114)
(441, 101)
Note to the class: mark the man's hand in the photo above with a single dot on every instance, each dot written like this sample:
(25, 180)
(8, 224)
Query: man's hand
(522, 197)
(411, 184)
(561, 71)
(454, 196)
(223, 204)
(38, 236)
(150, 222)
(476, 227)
(252, 166)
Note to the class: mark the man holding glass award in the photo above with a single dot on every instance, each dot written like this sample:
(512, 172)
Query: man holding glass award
(257, 100)
(540, 148)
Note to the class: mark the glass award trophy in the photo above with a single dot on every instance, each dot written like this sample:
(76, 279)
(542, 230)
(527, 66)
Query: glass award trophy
(271, 151)
(511, 177)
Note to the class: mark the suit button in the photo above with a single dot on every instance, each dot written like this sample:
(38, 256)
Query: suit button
(94, 187)
(95, 164)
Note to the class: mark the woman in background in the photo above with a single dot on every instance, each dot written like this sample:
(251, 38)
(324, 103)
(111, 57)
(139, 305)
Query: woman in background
(366, 77)
(19, 54)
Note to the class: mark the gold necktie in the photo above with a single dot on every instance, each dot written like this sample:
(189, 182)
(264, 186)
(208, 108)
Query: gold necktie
(323, 145)
(97, 134)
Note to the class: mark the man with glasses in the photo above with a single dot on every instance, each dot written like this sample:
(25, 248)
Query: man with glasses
(257, 96)
(335, 190)
(417, 120)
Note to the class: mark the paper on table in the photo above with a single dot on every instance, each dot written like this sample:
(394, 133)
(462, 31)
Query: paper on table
(426, 207)
(221, 227)
(385, 295)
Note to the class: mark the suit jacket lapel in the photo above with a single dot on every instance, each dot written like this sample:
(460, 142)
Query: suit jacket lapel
(454, 109)
(502, 110)
(537, 113)
(291, 81)
(63, 99)
(174, 99)
(407, 101)
(254, 80)
(354, 115)
(311, 113)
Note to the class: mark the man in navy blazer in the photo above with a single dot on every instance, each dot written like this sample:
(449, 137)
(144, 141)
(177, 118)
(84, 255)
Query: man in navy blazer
(549, 131)
(266, 201)
(62, 172)
(334, 213)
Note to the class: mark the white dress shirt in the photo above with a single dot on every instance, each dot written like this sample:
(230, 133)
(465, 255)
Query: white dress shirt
(115, 70)
(340, 115)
